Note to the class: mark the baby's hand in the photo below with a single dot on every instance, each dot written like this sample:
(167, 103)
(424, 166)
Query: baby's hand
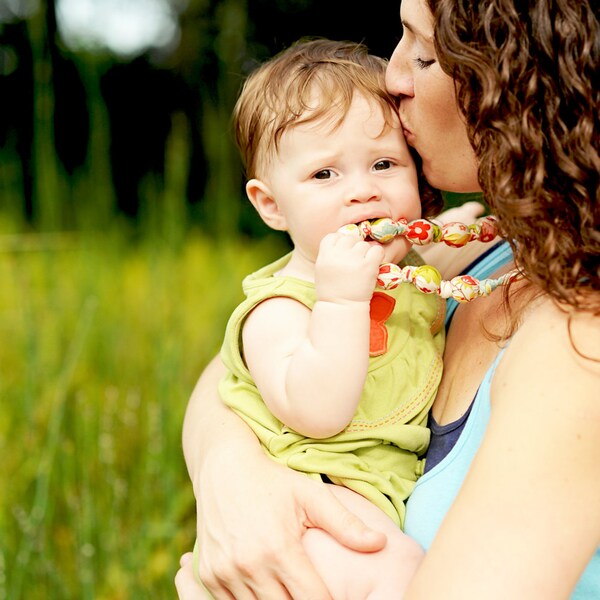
(346, 268)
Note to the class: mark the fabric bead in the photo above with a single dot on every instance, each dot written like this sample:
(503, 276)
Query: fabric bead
(350, 229)
(465, 288)
(485, 229)
(389, 277)
(383, 230)
(421, 232)
(427, 279)
(456, 235)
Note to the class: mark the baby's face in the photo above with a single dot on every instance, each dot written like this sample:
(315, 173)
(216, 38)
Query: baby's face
(324, 177)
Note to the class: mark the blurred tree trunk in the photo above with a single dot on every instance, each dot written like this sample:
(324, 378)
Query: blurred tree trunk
(209, 58)
(224, 186)
(59, 187)
(94, 187)
(48, 186)
(16, 121)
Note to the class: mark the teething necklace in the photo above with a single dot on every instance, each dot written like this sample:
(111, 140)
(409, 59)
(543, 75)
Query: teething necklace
(422, 232)
(427, 279)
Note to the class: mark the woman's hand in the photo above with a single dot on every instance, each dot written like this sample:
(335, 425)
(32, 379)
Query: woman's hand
(252, 514)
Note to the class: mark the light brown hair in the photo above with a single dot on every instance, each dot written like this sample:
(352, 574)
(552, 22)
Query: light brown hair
(283, 93)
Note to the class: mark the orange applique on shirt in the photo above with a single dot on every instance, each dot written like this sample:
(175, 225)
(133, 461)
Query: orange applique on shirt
(382, 306)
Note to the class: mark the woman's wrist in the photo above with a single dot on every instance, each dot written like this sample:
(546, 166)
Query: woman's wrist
(226, 457)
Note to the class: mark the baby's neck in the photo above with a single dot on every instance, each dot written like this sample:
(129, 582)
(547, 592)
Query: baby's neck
(300, 267)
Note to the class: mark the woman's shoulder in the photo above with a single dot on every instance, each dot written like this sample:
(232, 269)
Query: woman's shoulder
(571, 333)
(555, 354)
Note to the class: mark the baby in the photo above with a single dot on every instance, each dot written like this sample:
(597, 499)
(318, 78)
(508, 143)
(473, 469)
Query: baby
(335, 377)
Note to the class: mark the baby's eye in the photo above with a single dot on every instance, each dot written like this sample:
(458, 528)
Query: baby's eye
(324, 174)
(382, 165)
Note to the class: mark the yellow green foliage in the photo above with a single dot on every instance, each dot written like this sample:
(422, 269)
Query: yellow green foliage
(102, 340)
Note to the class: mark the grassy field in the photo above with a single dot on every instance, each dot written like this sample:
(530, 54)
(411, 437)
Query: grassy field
(102, 340)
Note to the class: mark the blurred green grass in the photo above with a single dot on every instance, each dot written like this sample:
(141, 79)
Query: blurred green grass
(102, 340)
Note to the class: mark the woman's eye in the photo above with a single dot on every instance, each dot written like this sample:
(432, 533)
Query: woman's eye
(383, 165)
(324, 174)
(422, 64)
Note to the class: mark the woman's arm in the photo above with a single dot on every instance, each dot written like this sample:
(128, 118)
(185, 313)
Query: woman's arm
(253, 512)
(527, 519)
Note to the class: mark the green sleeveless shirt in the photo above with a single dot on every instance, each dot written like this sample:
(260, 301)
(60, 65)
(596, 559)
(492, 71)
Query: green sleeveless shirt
(379, 453)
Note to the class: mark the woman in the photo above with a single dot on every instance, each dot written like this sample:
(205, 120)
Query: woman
(517, 498)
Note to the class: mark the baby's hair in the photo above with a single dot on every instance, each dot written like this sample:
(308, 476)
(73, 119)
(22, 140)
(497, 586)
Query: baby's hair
(312, 80)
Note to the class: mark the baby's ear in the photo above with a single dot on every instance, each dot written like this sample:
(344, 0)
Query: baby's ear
(260, 195)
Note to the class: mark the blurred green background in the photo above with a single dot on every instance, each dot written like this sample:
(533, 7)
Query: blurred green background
(124, 237)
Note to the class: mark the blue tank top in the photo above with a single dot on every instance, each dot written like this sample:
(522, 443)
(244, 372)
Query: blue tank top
(437, 488)
(443, 437)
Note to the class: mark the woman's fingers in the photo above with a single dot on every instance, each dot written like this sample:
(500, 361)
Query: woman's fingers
(276, 567)
(186, 559)
(324, 511)
(250, 542)
(301, 581)
(185, 584)
(250, 534)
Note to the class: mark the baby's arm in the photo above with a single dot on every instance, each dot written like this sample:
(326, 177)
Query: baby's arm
(310, 367)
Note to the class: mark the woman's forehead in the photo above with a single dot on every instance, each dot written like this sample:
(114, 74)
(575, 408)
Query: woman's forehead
(417, 18)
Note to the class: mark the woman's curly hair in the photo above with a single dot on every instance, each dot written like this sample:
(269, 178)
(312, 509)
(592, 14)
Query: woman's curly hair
(526, 74)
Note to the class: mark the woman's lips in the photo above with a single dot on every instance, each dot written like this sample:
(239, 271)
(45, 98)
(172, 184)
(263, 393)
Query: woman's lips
(408, 135)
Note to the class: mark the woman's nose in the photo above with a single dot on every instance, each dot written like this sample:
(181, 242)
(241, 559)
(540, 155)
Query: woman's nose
(398, 78)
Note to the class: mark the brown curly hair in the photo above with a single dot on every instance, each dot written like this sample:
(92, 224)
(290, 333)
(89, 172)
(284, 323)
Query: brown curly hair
(526, 74)
(280, 94)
